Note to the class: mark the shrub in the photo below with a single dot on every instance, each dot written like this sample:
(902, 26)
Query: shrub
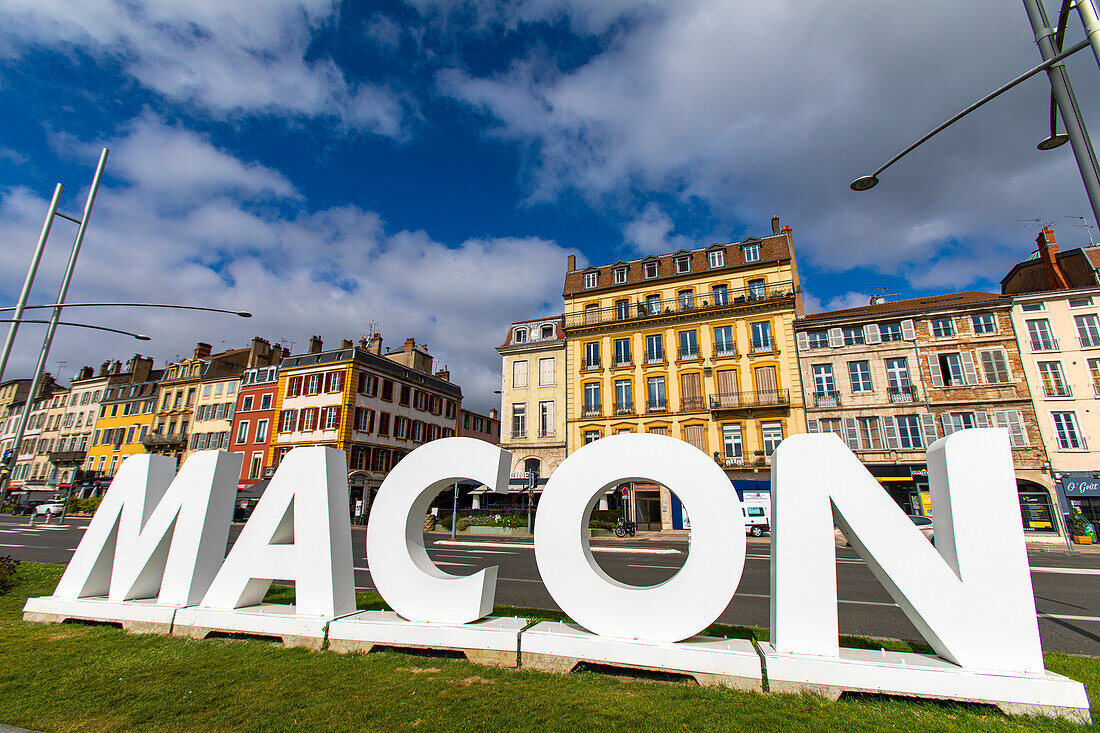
(90, 504)
(9, 571)
(463, 524)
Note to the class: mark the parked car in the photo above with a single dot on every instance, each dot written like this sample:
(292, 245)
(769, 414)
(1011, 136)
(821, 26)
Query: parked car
(757, 521)
(26, 508)
(54, 507)
(924, 524)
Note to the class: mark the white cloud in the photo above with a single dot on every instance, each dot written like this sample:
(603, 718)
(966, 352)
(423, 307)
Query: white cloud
(648, 233)
(228, 57)
(851, 299)
(329, 272)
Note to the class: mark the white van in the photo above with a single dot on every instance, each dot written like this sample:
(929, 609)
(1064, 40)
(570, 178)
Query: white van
(757, 517)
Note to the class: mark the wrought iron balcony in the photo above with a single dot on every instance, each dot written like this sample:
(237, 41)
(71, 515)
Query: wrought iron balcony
(728, 460)
(689, 353)
(657, 357)
(591, 363)
(902, 394)
(730, 350)
(758, 347)
(624, 361)
(1057, 390)
(692, 404)
(1089, 342)
(591, 411)
(749, 400)
(546, 433)
(829, 398)
(656, 405)
(736, 298)
(1044, 344)
(519, 433)
(164, 440)
(67, 457)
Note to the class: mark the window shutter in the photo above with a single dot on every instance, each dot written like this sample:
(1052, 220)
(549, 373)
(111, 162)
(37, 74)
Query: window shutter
(890, 427)
(337, 417)
(981, 419)
(948, 424)
(928, 428)
(337, 381)
(908, 332)
(813, 426)
(803, 340)
(872, 334)
(989, 369)
(836, 337)
(851, 433)
(1017, 433)
(970, 374)
(301, 418)
(1000, 359)
(934, 370)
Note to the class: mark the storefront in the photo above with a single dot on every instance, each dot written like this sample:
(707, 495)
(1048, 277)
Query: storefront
(907, 484)
(1081, 490)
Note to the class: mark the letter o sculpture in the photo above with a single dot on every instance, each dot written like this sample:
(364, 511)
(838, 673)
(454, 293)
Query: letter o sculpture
(676, 609)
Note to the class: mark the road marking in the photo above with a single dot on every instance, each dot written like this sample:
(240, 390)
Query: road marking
(363, 569)
(856, 603)
(626, 550)
(1063, 617)
(657, 567)
(1066, 571)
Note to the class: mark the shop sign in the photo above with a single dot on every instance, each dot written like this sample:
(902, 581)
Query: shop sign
(1080, 483)
(964, 597)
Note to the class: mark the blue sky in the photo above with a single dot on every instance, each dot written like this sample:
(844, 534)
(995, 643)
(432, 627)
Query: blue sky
(426, 166)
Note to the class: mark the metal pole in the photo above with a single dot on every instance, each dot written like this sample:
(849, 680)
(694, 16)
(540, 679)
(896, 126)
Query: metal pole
(44, 354)
(1067, 103)
(1091, 21)
(454, 514)
(29, 281)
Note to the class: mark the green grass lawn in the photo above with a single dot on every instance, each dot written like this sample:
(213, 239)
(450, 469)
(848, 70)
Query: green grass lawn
(56, 677)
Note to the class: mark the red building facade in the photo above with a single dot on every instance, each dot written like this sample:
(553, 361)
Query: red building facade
(254, 421)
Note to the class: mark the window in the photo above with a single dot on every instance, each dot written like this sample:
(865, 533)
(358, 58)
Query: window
(689, 345)
(869, 436)
(654, 349)
(546, 419)
(406, 393)
(994, 365)
(831, 425)
(1054, 380)
(723, 341)
(653, 305)
(683, 264)
(313, 384)
(823, 380)
(218, 389)
(947, 370)
(519, 336)
(242, 431)
(716, 258)
(909, 431)
(592, 314)
(256, 464)
(757, 290)
(519, 419)
(591, 399)
(1079, 302)
(655, 394)
(1041, 337)
(1032, 307)
(1065, 426)
(591, 279)
(519, 373)
(1094, 372)
(590, 436)
(720, 294)
(622, 309)
(1088, 330)
(649, 269)
(943, 327)
(332, 417)
(308, 419)
(685, 299)
(859, 372)
(624, 397)
(265, 401)
(695, 436)
(387, 390)
(731, 444)
(984, 323)
(761, 336)
(854, 336)
(592, 355)
(897, 378)
(772, 435)
(383, 423)
(261, 431)
(622, 352)
(547, 332)
(546, 372)
(246, 403)
(206, 391)
(618, 275)
(818, 339)
(750, 253)
(286, 422)
(400, 427)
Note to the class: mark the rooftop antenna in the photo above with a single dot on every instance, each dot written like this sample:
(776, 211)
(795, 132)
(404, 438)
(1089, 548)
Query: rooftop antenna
(284, 341)
(1035, 223)
(881, 296)
(1084, 225)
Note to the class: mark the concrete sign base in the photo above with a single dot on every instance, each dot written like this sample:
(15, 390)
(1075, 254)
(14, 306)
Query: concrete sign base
(558, 647)
(143, 616)
(490, 641)
(265, 619)
(927, 676)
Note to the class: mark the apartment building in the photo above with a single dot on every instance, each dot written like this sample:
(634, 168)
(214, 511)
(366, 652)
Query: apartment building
(24, 463)
(696, 344)
(42, 472)
(127, 413)
(533, 380)
(375, 407)
(475, 425)
(891, 378)
(253, 422)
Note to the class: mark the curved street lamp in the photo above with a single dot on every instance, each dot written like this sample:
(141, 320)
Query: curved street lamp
(138, 336)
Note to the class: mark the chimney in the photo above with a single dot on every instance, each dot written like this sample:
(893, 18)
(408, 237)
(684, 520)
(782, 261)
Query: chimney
(116, 367)
(1048, 254)
(345, 343)
(492, 413)
(570, 263)
(259, 352)
(202, 350)
(85, 372)
(103, 368)
(316, 346)
(363, 343)
(785, 229)
(139, 368)
(775, 224)
(444, 374)
(374, 346)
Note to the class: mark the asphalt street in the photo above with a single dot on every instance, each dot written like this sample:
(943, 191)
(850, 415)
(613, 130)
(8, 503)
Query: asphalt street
(1067, 588)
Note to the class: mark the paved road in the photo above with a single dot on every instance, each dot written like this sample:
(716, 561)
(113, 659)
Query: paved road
(1067, 589)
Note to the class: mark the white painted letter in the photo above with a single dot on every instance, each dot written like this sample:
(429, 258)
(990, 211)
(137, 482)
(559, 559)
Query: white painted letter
(674, 610)
(970, 596)
(301, 531)
(399, 565)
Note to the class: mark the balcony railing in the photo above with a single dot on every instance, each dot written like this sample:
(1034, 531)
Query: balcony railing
(657, 357)
(1089, 342)
(63, 457)
(733, 460)
(902, 394)
(762, 346)
(736, 298)
(1057, 390)
(519, 433)
(591, 363)
(747, 400)
(1044, 344)
(624, 361)
(546, 433)
(829, 398)
(730, 350)
(692, 404)
(656, 405)
(591, 411)
(624, 408)
(164, 440)
(689, 353)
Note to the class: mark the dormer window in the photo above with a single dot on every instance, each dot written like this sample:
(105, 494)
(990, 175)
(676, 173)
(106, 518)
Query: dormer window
(750, 252)
(649, 269)
(547, 332)
(520, 336)
(683, 264)
(716, 258)
(590, 279)
(618, 275)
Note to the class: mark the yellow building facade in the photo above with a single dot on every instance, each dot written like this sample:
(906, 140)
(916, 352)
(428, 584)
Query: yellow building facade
(126, 415)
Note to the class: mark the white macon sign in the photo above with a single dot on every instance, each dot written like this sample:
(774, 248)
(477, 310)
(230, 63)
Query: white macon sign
(153, 559)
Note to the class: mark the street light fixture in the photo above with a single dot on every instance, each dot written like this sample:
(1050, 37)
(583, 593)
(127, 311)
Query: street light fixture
(138, 336)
